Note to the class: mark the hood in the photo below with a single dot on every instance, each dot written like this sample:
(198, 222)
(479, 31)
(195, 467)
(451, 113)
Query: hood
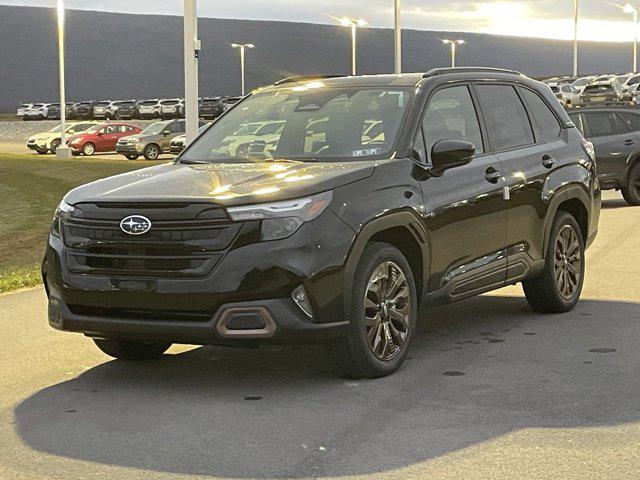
(44, 136)
(223, 184)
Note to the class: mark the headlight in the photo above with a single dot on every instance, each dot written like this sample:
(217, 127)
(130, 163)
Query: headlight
(64, 210)
(282, 219)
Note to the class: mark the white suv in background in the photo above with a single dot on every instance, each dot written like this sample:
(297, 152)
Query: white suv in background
(42, 111)
(22, 110)
(105, 109)
(149, 108)
(171, 108)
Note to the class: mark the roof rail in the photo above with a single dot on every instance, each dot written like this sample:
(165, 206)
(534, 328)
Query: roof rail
(302, 78)
(443, 71)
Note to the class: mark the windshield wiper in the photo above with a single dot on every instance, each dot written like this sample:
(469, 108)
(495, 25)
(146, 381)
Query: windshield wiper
(193, 162)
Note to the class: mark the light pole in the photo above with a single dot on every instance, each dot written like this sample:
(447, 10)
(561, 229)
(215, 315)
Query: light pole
(354, 24)
(242, 47)
(397, 38)
(192, 48)
(628, 8)
(62, 151)
(454, 44)
(575, 37)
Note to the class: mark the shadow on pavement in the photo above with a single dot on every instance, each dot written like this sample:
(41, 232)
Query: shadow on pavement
(612, 203)
(478, 369)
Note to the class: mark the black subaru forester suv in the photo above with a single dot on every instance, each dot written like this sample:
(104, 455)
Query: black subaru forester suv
(374, 197)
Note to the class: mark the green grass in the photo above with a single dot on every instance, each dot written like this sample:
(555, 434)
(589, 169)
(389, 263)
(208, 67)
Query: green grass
(31, 186)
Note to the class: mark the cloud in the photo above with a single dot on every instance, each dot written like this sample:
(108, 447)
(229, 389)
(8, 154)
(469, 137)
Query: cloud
(600, 20)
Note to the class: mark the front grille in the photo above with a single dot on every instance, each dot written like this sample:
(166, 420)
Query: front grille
(173, 247)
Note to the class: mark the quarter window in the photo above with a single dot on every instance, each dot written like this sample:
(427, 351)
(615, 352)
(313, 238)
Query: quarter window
(451, 115)
(543, 117)
(508, 124)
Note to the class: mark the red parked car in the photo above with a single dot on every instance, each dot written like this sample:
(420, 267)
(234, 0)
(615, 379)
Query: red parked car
(101, 138)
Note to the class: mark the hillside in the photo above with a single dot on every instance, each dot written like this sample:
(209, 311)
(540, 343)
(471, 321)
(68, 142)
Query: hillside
(117, 55)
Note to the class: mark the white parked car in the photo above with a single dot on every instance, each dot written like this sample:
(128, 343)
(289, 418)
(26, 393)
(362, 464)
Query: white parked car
(148, 109)
(171, 108)
(580, 83)
(105, 109)
(43, 111)
(22, 110)
(50, 141)
(567, 95)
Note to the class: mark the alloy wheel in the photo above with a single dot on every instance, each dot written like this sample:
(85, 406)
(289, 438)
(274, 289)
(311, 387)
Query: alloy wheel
(567, 262)
(387, 310)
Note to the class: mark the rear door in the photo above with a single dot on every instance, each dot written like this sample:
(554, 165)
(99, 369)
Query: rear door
(526, 161)
(613, 141)
(466, 216)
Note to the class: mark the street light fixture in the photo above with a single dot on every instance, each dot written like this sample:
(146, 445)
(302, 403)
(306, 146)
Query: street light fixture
(62, 151)
(242, 47)
(628, 8)
(454, 44)
(354, 24)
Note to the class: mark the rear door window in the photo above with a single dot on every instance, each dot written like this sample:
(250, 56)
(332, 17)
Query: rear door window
(451, 115)
(603, 124)
(507, 121)
(544, 119)
(632, 120)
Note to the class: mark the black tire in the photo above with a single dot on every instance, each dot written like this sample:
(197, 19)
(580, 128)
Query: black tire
(42, 151)
(353, 354)
(152, 151)
(631, 192)
(131, 349)
(54, 146)
(546, 293)
(88, 149)
(131, 157)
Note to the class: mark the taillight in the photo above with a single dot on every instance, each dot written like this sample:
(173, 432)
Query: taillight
(587, 146)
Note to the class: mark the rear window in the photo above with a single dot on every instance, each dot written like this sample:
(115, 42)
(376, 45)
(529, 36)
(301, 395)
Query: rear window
(508, 124)
(102, 104)
(170, 102)
(632, 120)
(598, 88)
(148, 103)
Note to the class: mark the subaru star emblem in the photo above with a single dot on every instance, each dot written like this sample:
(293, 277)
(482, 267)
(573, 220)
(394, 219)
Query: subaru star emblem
(135, 225)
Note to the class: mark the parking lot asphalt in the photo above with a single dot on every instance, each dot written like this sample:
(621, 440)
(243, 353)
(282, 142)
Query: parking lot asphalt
(491, 390)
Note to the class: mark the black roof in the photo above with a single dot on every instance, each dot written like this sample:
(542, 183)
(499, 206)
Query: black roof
(402, 80)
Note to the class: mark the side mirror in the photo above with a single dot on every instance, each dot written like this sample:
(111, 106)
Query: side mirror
(100, 133)
(166, 133)
(446, 154)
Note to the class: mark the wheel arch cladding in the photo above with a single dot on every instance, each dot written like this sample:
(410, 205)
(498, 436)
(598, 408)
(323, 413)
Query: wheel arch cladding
(573, 200)
(404, 231)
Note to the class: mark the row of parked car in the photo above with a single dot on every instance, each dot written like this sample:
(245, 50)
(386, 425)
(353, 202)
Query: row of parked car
(612, 89)
(89, 137)
(168, 108)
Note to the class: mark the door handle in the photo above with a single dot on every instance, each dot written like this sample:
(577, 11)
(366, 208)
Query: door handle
(629, 142)
(492, 175)
(548, 161)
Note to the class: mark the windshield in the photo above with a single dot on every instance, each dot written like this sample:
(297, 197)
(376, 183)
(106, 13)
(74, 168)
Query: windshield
(56, 129)
(94, 129)
(306, 123)
(154, 128)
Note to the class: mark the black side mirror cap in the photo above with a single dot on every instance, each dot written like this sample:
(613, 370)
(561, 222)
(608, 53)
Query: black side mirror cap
(446, 154)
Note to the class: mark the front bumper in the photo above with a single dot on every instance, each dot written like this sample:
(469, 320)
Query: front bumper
(250, 276)
(129, 149)
(35, 145)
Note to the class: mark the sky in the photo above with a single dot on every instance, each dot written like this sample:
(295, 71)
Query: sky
(600, 20)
